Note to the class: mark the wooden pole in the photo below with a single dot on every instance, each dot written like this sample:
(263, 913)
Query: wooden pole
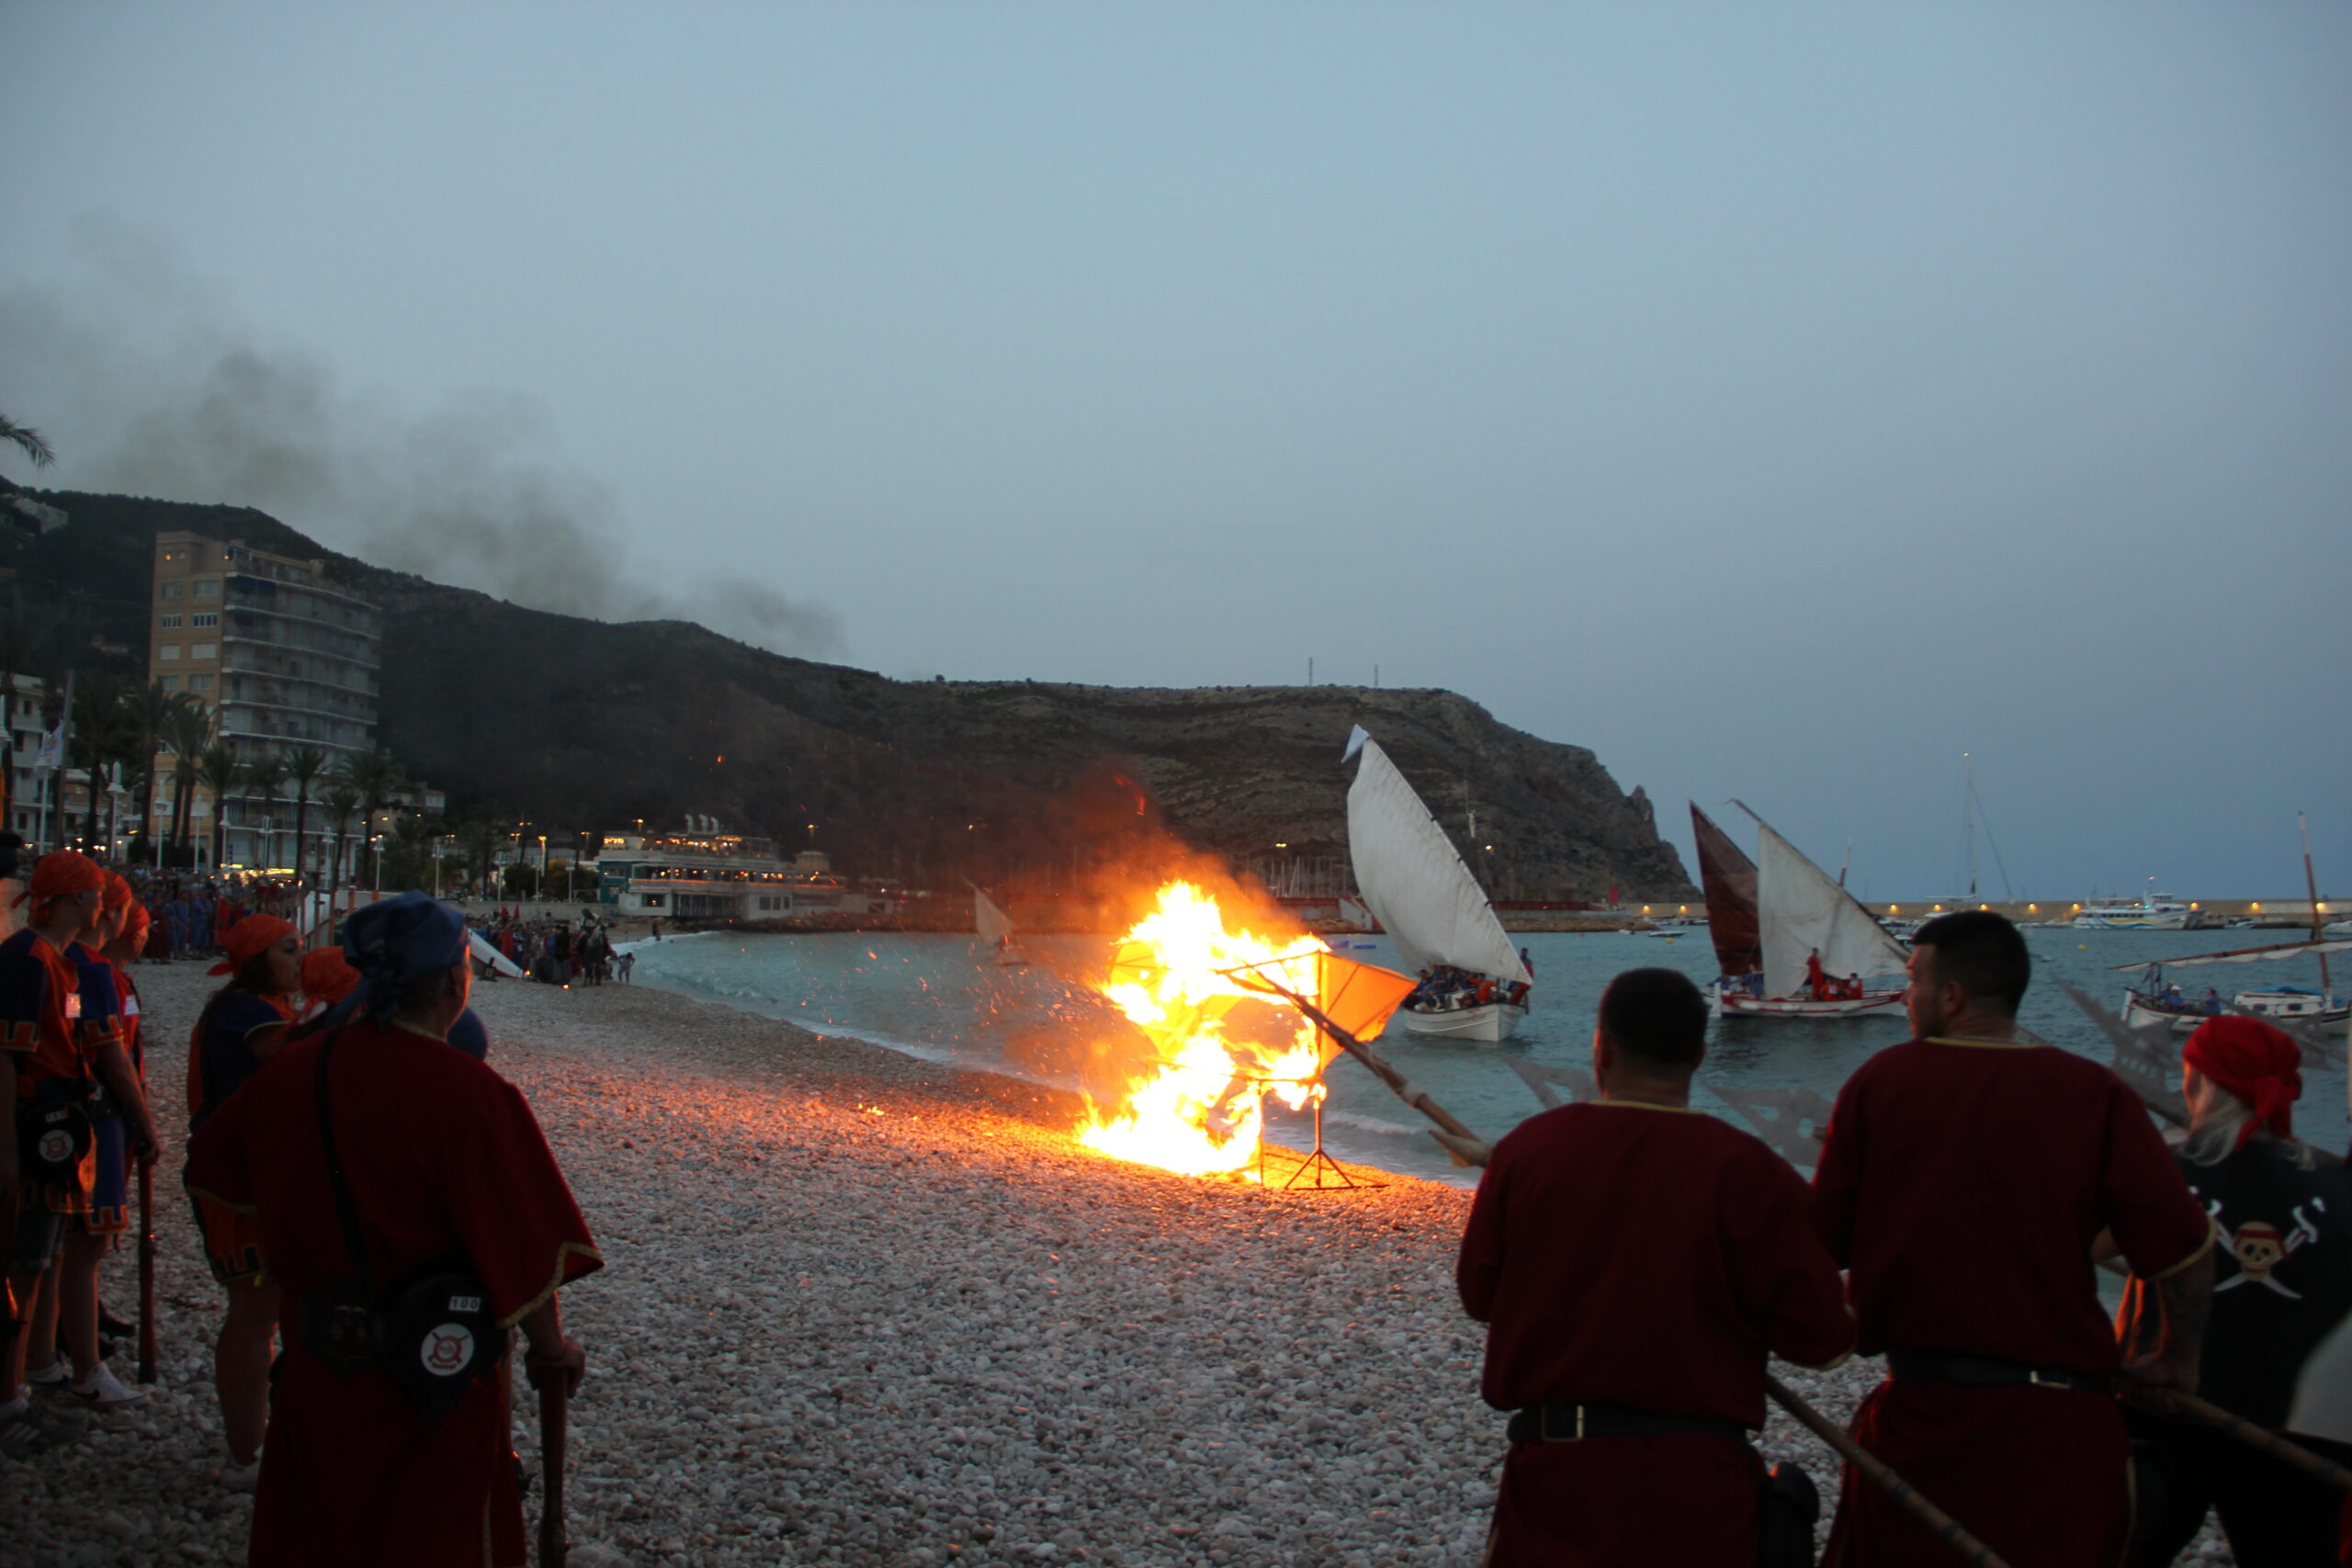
(2319, 1467)
(1463, 1143)
(552, 1411)
(146, 1275)
(1943, 1526)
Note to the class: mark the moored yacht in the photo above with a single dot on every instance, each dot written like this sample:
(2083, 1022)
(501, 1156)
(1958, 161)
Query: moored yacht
(2154, 912)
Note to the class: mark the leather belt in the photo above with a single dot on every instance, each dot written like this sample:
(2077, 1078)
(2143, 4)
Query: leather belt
(1574, 1423)
(1987, 1371)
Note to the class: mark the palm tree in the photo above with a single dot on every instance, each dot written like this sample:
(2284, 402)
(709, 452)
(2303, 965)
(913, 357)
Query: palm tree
(25, 436)
(97, 734)
(221, 775)
(27, 631)
(265, 776)
(150, 711)
(191, 733)
(373, 777)
(338, 801)
(303, 766)
(479, 839)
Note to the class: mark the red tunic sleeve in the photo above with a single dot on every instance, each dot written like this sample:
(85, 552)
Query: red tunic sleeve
(509, 1202)
(1779, 1266)
(1478, 1272)
(2156, 1219)
(217, 1159)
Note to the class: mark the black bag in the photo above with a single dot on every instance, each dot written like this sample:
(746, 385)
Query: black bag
(432, 1333)
(52, 1140)
(1784, 1527)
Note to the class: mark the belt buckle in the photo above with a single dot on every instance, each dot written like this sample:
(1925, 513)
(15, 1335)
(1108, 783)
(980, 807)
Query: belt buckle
(1545, 1424)
(2034, 1376)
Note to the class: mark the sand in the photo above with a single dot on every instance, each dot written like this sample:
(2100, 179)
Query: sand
(863, 1309)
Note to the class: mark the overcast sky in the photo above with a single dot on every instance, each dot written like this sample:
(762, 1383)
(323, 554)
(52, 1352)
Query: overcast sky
(1778, 401)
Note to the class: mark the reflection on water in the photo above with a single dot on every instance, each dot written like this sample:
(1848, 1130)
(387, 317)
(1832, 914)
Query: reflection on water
(940, 997)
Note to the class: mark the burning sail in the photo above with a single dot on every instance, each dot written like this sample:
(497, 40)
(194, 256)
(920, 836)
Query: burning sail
(1210, 1000)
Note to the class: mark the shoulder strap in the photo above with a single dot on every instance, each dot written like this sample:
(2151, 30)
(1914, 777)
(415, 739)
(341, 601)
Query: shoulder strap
(355, 1240)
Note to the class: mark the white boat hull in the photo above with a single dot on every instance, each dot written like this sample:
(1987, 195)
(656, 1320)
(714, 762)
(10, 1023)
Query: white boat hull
(2299, 1007)
(1495, 1020)
(1739, 1004)
(2139, 1012)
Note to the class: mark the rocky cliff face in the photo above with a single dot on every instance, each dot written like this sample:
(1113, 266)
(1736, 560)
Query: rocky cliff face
(583, 726)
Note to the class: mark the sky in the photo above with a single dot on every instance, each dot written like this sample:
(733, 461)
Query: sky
(1780, 401)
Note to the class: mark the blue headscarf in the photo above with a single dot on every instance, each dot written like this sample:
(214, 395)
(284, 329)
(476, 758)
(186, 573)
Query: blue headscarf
(397, 942)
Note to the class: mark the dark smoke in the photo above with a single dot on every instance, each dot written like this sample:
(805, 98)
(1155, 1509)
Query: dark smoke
(149, 384)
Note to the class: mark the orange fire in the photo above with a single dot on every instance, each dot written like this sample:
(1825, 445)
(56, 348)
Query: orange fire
(1197, 1107)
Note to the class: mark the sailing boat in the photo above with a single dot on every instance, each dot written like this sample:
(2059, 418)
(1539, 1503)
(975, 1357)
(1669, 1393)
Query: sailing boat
(1778, 916)
(2156, 1000)
(1474, 984)
(995, 930)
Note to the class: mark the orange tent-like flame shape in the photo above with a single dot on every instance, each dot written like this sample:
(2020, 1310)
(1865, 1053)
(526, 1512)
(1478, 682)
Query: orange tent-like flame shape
(1196, 1109)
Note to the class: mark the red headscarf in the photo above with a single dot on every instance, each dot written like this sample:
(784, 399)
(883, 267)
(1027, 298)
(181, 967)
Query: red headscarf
(118, 892)
(326, 977)
(134, 929)
(249, 937)
(2255, 1061)
(60, 874)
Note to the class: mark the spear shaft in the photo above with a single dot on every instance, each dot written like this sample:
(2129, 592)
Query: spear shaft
(1941, 1525)
(2316, 1466)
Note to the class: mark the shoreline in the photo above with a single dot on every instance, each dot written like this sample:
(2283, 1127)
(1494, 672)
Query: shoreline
(859, 1308)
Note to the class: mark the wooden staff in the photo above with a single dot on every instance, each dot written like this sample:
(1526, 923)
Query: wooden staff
(2318, 1467)
(552, 1410)
(1943, 1526)
(146, 1275)
(1463, 1143)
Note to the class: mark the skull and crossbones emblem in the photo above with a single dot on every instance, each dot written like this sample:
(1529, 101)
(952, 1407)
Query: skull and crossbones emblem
(2259, 1248)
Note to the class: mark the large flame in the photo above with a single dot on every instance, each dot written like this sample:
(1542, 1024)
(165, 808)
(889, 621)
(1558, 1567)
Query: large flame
(1196, 1108)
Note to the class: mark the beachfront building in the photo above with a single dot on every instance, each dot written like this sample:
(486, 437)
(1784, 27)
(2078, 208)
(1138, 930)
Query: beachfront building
(284, 657)
(706, 874)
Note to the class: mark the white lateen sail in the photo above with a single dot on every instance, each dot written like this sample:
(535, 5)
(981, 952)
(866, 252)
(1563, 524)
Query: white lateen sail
(1801, 911)
(994, 925)
(1413, 882)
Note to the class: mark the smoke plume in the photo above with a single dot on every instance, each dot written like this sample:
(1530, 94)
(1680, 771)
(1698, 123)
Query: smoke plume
(149, 383)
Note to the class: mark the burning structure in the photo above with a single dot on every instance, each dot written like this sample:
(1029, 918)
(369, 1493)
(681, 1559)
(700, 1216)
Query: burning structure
(1217, 1005)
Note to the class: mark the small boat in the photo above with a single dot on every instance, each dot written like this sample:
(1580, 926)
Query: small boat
(2155, 912)
(996, 931)
(1785, 934)
(1474, 984)
(2156, 1001)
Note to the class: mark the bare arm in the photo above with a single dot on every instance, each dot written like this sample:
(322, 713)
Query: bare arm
(550, 1353)
(2183, 1299)
(122, 1081)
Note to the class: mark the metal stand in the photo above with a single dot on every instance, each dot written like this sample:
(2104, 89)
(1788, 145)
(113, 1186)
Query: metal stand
(1327, 1176)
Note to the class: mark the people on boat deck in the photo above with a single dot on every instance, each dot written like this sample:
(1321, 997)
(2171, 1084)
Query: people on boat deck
(2283, 1283)
(1636, 1263)
(2172, 996)
(2212, 1002)
(1445, 989)
(1965, 1179)
(1816, 983)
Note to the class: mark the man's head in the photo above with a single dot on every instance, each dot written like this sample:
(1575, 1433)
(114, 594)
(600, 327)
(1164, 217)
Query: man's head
(1653, 1027)
(66, 894)
(1972, 964)
(411, 952)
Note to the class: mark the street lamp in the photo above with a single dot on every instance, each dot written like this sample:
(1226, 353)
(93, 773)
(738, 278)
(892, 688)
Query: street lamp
(376, 881)
(543, 866)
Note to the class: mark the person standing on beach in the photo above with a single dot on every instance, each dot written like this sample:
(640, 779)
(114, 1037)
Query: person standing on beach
(439, 1159)
(1636, 1262)
(1964, 1180)
(2284, 1276)
(121, 1132)
(241, 1028)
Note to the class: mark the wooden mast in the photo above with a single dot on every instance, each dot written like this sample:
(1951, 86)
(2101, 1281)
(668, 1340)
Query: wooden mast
(2318, 921)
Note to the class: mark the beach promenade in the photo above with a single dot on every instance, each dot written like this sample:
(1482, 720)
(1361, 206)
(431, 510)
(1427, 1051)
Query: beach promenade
(859, 1308)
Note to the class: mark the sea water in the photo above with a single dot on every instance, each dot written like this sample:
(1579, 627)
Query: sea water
(941, 998)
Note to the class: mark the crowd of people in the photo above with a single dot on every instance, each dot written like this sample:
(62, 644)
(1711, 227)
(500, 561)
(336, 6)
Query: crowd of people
(385, 1218)
(555, 950)
(378, 1205)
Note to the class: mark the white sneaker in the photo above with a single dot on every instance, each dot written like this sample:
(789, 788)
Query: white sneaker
(241, 1477)
(102, 1388)
(56, 1374)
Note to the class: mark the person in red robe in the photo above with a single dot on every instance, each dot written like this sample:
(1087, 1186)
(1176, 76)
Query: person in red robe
(1965, 1181)
(443, 1159)
(1635, 1262)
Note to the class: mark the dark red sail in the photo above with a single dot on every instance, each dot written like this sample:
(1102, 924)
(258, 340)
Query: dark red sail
(1728, 877)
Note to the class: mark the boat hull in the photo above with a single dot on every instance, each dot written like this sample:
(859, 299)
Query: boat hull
(1495, 1020)
(2139, 1012)
(1737, 1004)
(2299, 1007)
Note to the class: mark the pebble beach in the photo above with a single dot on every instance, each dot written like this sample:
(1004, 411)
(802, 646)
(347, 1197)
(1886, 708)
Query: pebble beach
(863, 1309)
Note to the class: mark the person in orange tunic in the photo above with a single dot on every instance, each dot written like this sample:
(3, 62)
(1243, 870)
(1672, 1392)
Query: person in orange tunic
(1635, 1262)
(1966, 1178)
(443, 1160)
